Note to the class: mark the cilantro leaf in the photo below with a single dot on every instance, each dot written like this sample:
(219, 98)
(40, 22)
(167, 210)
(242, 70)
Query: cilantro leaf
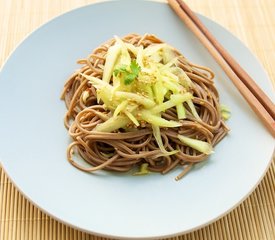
(131, 76)
(116, 72)
(121, 69)
(128, 76)
(135, 68)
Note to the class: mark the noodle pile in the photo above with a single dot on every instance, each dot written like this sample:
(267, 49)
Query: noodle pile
(125, 149)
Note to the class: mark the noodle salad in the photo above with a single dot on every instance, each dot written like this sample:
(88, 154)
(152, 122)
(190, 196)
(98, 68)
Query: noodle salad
(138, 102)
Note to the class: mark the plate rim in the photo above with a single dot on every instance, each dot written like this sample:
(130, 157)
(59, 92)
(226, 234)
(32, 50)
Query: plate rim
(62, 221)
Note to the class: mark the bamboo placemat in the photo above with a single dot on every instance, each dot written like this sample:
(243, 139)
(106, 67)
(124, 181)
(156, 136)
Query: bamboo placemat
(253, 21)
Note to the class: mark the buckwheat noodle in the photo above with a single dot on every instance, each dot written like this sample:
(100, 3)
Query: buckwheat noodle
(123, 150)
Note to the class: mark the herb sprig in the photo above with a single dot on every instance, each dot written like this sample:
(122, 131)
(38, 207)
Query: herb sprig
(128, 76)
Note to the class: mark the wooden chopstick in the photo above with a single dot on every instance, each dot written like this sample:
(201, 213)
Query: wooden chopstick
(239, 71)
(251, 98)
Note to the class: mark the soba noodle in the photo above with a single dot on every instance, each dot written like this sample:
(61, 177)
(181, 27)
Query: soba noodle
(126, 148)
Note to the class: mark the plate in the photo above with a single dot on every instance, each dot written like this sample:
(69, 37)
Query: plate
(33, 138)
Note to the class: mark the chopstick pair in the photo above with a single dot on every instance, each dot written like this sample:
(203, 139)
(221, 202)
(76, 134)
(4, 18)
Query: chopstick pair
(255, 97)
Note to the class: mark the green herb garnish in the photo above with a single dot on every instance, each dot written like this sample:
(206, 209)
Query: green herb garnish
(128, 76)
(122, 69)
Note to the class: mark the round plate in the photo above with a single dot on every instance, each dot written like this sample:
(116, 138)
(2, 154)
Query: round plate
(34, 140)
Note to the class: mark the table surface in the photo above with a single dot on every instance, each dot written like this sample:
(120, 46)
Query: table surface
(252, 21)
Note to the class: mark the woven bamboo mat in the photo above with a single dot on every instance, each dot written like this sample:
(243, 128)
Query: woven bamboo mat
(253, 21)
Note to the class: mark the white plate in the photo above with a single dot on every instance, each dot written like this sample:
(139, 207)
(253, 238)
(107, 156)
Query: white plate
(33, 139)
